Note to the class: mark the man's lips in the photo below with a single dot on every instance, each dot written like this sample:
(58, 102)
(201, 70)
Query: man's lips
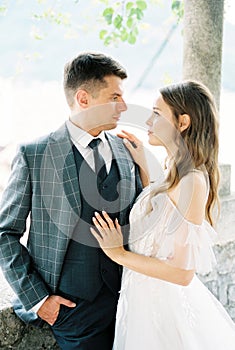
(116, 117)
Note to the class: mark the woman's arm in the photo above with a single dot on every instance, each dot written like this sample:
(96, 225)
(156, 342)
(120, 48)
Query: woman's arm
(155, 268)
(111, 241)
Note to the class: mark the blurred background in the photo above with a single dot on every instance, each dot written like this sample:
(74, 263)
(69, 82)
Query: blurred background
(36, 43)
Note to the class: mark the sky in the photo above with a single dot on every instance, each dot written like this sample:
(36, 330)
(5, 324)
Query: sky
(230, 11)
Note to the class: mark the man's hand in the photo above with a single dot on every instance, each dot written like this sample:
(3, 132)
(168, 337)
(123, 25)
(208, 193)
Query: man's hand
(50, 308)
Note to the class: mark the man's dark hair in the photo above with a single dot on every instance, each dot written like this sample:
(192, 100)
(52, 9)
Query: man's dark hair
(88, 71)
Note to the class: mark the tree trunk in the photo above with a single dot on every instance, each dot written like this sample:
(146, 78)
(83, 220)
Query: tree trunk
(203, 37)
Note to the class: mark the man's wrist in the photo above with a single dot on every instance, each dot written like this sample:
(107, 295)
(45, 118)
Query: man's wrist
(36, 307)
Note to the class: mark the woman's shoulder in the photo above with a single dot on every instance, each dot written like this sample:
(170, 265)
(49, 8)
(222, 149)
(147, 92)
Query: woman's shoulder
(190, 196)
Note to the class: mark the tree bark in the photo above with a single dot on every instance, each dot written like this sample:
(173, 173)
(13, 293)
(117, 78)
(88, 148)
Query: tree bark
(203, 39)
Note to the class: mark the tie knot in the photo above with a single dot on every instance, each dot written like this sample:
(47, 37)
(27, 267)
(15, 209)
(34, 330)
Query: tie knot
(94, 143)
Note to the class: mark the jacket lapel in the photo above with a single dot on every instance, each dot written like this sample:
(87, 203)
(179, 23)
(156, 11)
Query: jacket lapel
(60, 149)
(126, 169)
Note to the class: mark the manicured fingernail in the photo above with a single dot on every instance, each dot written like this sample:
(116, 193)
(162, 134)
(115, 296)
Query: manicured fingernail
(96, 213)
(103, 211)
(125, 140)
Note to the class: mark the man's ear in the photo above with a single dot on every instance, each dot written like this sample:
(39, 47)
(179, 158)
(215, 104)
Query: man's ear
(184, 122)
(82, 98)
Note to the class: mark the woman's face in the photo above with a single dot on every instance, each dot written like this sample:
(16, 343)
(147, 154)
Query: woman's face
(162, 130)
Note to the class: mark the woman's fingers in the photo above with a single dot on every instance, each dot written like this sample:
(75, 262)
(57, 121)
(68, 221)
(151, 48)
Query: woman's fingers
(108, 219)
(107, 223)
(100, 220)
(96, 235)
(118, 227)
(127, 135)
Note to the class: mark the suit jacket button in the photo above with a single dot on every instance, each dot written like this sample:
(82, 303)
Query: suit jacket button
(104, 270)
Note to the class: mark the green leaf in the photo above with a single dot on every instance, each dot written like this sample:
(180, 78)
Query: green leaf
(108, 40)
(139, 14)
(108, 14)
(142, 5)
(108, 11)
(178, 8)
(124, 35)
(129, 5)
(103, 33)
(130, 22)
(135, 31)
(175, 4)
(3, 8)
(118, 21)
(131, 39)
(132, 12)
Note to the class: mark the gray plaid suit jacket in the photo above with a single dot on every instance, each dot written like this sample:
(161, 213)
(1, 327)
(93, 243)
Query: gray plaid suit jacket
(44, 187)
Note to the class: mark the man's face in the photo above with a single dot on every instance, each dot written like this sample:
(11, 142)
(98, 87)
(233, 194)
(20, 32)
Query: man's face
(104, 110)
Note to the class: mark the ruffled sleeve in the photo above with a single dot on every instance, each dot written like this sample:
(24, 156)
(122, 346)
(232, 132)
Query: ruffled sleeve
(181, 243)
(189, 246)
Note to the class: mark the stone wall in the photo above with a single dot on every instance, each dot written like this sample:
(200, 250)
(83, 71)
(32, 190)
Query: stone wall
(15, 335)
(221, 281)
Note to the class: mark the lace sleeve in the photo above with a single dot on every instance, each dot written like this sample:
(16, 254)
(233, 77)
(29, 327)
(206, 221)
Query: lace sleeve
(189, 246)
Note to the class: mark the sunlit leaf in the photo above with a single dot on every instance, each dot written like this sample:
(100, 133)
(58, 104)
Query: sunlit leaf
(142, 5)
(103, 33)
(118, 21)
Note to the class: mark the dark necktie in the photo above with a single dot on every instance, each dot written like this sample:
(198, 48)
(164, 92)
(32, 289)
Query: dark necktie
(100, 167)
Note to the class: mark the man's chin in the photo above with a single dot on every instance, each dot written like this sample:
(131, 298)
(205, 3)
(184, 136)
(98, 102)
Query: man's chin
(110, 126)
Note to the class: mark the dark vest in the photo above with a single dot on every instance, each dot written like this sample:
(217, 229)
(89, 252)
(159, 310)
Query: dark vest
(86, 267)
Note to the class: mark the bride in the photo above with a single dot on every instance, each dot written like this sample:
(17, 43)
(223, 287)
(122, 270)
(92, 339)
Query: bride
(163, 305)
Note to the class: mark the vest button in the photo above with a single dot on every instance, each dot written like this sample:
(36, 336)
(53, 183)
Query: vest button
(104, 270)
(104, 187)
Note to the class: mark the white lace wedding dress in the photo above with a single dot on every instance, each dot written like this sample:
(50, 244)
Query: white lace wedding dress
(157, 315)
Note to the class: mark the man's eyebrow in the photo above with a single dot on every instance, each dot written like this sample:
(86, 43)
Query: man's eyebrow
(116, 94)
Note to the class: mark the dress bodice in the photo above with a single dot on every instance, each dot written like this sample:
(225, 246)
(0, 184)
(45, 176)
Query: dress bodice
(166, 234)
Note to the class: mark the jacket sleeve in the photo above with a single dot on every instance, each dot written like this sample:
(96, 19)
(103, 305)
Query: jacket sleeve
(15, 259)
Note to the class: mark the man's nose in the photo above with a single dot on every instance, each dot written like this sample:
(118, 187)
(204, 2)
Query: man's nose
(121, 106)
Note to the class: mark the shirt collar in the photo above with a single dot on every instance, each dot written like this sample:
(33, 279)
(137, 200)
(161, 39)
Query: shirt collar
(82, 137)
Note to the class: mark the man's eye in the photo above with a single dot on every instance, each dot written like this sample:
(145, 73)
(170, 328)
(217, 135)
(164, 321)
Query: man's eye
(115, 98)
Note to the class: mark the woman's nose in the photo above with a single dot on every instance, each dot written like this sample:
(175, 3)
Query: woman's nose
(149, 121)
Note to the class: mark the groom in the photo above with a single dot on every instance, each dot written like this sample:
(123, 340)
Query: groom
(62, 277)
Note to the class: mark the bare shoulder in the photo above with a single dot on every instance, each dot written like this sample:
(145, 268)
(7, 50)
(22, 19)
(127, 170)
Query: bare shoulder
(190, 196)
(196, 181)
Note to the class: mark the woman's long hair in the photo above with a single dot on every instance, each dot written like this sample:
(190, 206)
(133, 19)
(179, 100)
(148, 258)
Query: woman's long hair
(197, 146)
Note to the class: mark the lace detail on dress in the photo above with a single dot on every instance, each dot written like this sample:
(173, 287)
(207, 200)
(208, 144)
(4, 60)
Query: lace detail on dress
(164, 233)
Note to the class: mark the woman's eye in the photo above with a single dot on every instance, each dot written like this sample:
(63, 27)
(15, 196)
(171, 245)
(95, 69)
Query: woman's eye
(156, 114)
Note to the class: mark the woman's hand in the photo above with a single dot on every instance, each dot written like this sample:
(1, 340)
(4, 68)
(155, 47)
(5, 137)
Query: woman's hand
(136, 149)
(134, 146)
(109, 235)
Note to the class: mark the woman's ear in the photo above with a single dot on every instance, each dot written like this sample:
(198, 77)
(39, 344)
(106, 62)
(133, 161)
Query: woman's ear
(184, 122)
(82, 98)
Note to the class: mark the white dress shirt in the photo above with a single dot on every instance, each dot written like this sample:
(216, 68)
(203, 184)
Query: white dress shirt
(81, 140)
